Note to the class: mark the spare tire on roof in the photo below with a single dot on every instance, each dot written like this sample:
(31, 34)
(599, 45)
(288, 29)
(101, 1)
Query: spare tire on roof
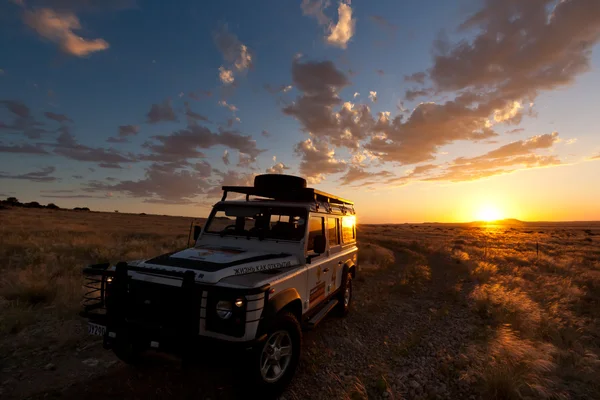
(279, 182)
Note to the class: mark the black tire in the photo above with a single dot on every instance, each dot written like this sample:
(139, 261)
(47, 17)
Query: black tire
(284, 322)
(343, 305)
(279, 182)
(127, 352)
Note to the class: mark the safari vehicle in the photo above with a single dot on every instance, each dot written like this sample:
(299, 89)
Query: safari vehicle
(267, 264)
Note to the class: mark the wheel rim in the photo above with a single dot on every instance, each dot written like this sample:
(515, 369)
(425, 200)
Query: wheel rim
(276, 356)
(347, 293)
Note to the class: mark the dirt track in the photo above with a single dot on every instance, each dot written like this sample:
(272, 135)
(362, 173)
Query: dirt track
(400, 341)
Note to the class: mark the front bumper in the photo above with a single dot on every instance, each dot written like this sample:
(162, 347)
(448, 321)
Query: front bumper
(160, 317)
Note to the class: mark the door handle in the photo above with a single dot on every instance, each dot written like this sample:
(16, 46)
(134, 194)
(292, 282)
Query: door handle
(326, 270)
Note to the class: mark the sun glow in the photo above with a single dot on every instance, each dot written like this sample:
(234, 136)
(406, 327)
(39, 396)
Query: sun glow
(488, 213)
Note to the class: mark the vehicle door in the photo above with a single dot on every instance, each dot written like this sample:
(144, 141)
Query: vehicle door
(335, 262)
(319, 271)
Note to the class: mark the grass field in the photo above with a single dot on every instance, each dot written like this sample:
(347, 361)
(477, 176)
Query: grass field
(532, 289)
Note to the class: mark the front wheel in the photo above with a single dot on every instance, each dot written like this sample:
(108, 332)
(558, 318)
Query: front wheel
(275, 361)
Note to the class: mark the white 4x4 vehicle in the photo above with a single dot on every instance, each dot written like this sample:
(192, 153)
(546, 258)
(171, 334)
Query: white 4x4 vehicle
(277, 259)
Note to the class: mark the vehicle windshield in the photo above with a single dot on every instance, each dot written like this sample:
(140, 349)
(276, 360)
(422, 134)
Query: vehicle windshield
(262, 222)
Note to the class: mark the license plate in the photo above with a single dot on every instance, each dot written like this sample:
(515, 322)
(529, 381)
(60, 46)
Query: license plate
(95, 329)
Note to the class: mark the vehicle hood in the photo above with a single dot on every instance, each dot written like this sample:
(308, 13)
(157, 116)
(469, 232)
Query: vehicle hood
(213, 263)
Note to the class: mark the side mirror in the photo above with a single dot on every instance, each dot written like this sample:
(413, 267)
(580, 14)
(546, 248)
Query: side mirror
(319, 244)
(197, 231)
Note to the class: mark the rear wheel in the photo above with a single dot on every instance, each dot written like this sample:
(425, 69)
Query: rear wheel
(345, 296)
(274, 362)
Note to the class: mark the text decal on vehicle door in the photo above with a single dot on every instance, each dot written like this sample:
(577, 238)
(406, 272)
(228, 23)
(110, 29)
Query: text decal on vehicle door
(264, 267)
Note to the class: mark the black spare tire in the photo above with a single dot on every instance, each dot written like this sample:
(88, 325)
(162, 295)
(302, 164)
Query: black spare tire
(279, 182)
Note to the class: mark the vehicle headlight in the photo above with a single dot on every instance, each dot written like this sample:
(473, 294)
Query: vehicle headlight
(239, 302)
(224, 309)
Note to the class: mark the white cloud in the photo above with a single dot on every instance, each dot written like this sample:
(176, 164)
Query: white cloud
(59, 27)
(356, 94)
(231, 107)
(571, 141)
(373, 96)
(341, 33)
(226, 75)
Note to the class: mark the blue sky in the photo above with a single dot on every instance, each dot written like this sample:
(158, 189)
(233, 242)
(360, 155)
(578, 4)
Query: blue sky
(95, 66)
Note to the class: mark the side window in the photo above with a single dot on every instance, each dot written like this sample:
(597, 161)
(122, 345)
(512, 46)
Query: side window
(316, 226)
(348, 229)
(333, 231)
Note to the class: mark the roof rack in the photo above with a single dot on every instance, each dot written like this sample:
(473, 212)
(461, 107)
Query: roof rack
(298, 194)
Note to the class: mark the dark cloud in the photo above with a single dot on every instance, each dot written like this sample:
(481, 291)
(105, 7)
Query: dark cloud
(77, 176)
(62, 118)
(516, 130)
(113, 139)
(23, 149)
(411, 95)
(193, 116)
(185, 144)
(265, 133)
(24, 122)
(357, 173)
(44, 175)
(165, 183)
(73, 196)
(161, 112)
(128, 130)
(110, 165)
(417, 77)
(245, 161)
(316, 8)
(380, 72)
(520, 48)
(17, 108)
(68, 147)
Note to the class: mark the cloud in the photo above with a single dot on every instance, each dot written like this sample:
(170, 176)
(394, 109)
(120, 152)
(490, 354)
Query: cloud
(231, 107)
(316, 8)
(380, 72)
(128, 130)
(571, 141)
(192, 116)
(24, 122)
(356, 94)
(373, 96)
(161, 112)
(519, 48)
(597, 157)
(504, 159)
(124, 132)
(110, 165)
(357, 173)
(234, 52)
(265, 133)
(68, 147)
(226, 75)
(73, 196)
(184, 144)
(43, 175)
(411, 95)
(417, 77)
(225, 157)
(164, 183)
(245, 161)
(23, 149)
(62, 118)
(516, 130)
(341, 33)
(59, 27)
(511, 114)
(317, 160)
(278, 89)
(278, 168)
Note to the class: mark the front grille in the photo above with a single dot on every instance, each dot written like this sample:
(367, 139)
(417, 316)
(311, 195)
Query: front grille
(155, 305)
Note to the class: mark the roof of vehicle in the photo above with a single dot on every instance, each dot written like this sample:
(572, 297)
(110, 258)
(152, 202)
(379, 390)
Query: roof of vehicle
(300, 195)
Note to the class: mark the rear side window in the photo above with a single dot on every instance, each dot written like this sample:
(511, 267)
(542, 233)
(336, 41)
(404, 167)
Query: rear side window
(333, 231)
(349, 229)
(316, 226)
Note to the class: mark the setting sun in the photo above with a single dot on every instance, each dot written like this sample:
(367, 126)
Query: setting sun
(488, 213)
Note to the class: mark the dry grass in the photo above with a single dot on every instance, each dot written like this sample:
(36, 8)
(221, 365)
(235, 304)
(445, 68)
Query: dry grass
(42, 253)
(535, 287)
(537, 290)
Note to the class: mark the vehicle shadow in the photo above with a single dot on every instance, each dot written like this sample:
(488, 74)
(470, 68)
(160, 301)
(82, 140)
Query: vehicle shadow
(157, 377)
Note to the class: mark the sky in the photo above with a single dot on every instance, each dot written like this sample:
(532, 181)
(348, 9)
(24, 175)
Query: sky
(418, 111)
